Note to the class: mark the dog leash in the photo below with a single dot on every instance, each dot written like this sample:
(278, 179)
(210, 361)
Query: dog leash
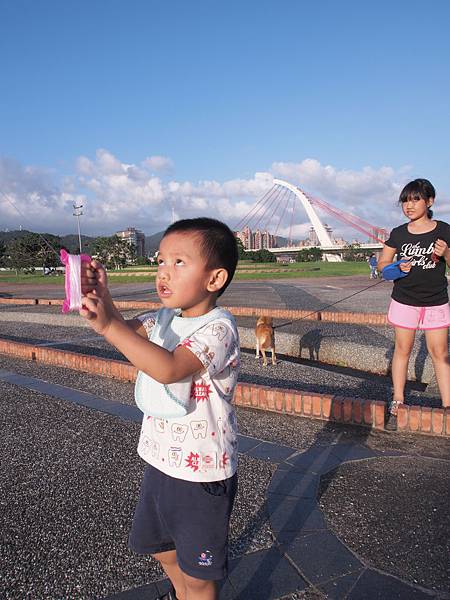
(329, 305)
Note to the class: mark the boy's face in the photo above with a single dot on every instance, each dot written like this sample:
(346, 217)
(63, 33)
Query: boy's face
(183, 279)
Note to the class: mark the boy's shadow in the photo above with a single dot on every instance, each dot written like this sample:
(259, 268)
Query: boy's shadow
(292, 499)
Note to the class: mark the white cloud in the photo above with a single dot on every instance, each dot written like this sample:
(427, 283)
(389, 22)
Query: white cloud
(116, 195)
(159, 164)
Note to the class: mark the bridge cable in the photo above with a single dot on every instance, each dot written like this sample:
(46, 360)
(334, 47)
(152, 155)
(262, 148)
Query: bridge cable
(280, 201)
(244, 220)
(283, 213)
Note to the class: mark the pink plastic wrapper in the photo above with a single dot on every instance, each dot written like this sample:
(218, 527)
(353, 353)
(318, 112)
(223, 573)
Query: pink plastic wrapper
(73, 262)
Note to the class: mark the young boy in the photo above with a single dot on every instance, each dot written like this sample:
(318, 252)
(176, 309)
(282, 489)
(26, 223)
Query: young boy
(188, 373)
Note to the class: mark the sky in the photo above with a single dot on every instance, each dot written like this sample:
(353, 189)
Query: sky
(145, 110)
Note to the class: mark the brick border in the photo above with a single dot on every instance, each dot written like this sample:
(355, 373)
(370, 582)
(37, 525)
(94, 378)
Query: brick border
(355, 411)
(238, 311)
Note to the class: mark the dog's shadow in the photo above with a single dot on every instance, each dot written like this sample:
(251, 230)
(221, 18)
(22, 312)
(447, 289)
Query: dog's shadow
(311, 342)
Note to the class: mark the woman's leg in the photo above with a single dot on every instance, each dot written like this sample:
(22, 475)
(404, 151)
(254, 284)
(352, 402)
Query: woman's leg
(437, 344)
(404, 341)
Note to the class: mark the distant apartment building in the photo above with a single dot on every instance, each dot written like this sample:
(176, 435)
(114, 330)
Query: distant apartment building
(135, 237)
(256, 240)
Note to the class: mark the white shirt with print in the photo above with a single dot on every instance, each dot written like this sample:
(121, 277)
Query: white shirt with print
(201, 446)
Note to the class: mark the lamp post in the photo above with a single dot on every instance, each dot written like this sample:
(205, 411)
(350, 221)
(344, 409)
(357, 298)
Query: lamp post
(78, 212)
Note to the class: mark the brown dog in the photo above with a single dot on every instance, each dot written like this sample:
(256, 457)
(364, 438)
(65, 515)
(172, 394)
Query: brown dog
(265, 338)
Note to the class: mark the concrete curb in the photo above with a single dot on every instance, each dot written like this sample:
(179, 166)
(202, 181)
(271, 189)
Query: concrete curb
(311, 345)
(356, 411)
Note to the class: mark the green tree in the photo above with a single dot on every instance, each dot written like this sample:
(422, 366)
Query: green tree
(354, 253)
(33, 250)
(309, 255)
(114, 252)
(142, 260)
(2, 253)
(241, 250)
(263, 256)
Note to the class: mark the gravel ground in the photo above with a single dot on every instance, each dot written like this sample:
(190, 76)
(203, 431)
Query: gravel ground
(287, 430)
(378, 522)
(288, 373)
(70, 480)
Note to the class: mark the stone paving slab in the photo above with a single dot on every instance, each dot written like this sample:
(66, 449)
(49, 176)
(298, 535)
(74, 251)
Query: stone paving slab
(307, 555)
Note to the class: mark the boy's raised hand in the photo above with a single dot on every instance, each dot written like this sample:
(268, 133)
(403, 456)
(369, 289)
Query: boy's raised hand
(97, 304)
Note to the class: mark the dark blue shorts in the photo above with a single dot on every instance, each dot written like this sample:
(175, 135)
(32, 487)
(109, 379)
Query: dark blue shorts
(191, 518)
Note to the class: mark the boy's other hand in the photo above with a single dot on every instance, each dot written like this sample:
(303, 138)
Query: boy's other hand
(93, 277)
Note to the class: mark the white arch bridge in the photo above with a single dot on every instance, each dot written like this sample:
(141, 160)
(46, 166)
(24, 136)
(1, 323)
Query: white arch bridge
(284, 197)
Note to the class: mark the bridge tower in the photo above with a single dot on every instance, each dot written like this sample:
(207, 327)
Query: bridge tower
(324, 238)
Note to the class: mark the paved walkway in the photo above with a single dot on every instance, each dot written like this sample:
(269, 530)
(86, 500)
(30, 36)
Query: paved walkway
(302, 293)
(299, 555)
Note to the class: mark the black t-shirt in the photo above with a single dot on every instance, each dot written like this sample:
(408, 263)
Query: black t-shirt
(426, 283)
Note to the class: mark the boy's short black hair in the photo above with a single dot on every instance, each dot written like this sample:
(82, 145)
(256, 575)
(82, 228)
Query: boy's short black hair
(218, 243)
(419, 188)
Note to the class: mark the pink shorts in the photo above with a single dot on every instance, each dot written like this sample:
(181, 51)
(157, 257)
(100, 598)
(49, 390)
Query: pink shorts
(418, 317)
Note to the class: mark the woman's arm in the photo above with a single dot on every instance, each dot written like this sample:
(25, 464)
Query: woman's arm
(386, 258)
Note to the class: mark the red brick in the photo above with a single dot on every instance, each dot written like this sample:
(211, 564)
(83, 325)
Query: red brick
(379, 409)
(367, 412)
(414, 418)
(425, 421)
(307, 405)
(255, 396)
(357, 410)
(297, 402)
(337, 408)
(288, 402)
(437, 421)
(246, 395)
(317, 406)
(402, 418)
(237, 398)
(326, 406)
(279, 401)
(270, 394)
(347, 410)
(263, 398)
(447, 421)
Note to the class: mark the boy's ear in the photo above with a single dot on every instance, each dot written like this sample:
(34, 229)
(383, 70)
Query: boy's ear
(217, 280)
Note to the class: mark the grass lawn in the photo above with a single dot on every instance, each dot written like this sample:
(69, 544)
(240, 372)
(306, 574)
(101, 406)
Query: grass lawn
(258, 271)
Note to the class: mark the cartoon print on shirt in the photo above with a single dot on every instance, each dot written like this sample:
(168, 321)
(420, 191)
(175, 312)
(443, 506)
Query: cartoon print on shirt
(186, 343)
(193, 461)
(209, 461)
(200, 446)
(179, 432)
(199, 429)
(155, 449)
(421, 257)
(159, 425)
(200, 390)
(219, 330)
(175, 456)
(145, 444)
(220, 427)
(224, 461)
(204, 461)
